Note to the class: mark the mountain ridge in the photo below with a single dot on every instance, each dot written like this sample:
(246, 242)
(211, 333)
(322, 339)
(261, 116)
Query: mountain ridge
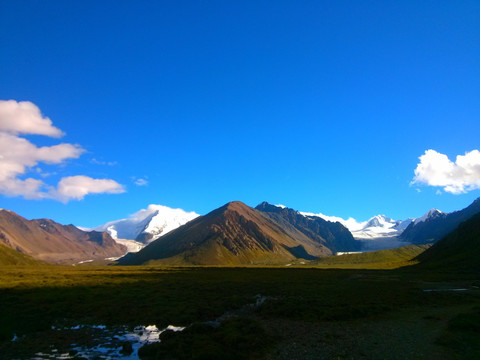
(438, 224)
(333, 235)
(46, 240)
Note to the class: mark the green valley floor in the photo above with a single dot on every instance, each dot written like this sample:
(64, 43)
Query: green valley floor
(246, 313)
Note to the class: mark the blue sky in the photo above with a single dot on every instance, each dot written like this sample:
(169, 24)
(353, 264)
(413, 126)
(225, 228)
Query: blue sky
(324, 106)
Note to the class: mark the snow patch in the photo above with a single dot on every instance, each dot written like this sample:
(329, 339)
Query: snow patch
(131, 245)
(430, 214)
(379, 226)
(85, 261)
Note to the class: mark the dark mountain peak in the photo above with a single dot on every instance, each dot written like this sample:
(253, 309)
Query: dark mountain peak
(475, 204)
(334, 236)
(435, 224)
(101, 238)
(267, 207)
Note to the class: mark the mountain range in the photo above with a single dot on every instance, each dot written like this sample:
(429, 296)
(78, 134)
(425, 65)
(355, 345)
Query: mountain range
(149, 224)
(237, 234)
(234, 234)
(48, 241)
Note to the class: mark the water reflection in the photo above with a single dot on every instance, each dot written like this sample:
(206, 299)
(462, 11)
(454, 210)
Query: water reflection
(107, 343)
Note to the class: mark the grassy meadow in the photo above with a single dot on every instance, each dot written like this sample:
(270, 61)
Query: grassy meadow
(308, 313)
(381, 259)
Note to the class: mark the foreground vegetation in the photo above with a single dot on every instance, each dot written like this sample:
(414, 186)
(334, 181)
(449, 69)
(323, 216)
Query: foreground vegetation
(306, 312)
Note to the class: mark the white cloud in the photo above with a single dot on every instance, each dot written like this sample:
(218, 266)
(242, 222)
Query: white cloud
(24, 117)
(141, 182)
(18, 157)
(76, 187)
(461, 176)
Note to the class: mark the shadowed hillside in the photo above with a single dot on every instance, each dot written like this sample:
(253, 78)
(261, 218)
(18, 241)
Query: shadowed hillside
(459, 250)
(333, 235)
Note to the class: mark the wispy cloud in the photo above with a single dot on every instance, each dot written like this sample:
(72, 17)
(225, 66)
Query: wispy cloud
(101, 162)
(141, 182)
(18, 157)
(461, 176)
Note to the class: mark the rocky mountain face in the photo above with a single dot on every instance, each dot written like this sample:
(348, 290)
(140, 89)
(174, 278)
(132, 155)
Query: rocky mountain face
(332, 235)
(435, 224)
(233, 234)
(46, 240)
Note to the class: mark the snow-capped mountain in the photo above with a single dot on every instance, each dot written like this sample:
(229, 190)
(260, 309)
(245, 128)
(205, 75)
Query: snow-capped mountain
(148, 224)
(379, 226)
(435, 224)
(431, 214)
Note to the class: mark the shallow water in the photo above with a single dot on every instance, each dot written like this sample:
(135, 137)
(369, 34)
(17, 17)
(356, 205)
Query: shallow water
(106, 343)
(435, 290)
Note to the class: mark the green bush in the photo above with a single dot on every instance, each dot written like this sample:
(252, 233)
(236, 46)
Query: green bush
(236, 339)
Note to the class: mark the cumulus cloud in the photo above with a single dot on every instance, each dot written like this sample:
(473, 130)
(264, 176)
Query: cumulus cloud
(18, 157)
(24, 117)
(461, 176)
(76, 187)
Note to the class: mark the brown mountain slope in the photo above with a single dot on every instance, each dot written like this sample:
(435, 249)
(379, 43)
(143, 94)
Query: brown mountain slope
(233, 234)
(51, 242)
